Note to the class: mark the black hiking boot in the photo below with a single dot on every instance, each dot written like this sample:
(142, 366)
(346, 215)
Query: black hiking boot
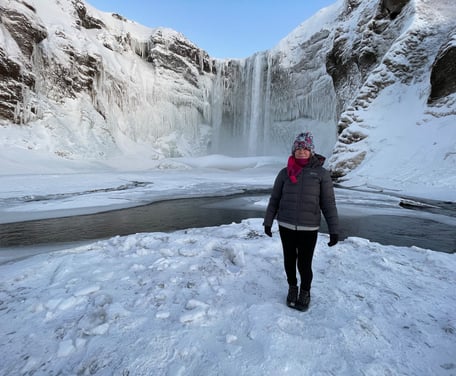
(303, 301)
(292, 296)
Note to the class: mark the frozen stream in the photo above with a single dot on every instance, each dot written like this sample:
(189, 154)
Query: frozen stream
(376, 217)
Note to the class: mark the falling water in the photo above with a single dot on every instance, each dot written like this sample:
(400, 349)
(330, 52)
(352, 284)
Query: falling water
(240, 106)
(267, 136)
(217, 106)
(259, 106)
(256, 108)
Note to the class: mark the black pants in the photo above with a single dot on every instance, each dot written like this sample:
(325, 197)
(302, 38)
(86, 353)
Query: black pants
(298, 248)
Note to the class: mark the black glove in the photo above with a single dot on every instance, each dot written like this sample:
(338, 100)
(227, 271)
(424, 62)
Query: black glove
(267, 231)
(333, 239)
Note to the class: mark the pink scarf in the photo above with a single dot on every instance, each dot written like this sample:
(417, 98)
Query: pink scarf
(294, 167)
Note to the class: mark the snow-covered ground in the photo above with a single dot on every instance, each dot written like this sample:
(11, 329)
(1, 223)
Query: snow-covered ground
(210, 301)
(37, 186)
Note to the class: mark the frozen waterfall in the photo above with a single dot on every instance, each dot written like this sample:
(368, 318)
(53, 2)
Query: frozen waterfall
(233, 108)
(258, 106)
(240, 106)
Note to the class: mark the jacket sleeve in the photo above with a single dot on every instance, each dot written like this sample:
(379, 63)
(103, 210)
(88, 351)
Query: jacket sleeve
(274, 200)
(328, 203)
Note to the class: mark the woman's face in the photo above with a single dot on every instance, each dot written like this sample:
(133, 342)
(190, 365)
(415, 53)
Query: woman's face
(302, 154)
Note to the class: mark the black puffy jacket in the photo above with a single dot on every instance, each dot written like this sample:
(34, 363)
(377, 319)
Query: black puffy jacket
(301, 203)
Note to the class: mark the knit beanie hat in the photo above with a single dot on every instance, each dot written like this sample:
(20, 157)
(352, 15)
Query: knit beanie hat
(303, 141)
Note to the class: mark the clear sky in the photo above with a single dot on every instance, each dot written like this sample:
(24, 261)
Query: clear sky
(225, 29)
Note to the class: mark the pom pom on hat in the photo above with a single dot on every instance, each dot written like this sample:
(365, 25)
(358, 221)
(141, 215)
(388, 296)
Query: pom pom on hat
(303, 141)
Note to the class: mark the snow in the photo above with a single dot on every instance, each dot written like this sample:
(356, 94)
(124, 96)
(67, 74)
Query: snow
(319, 21)
(405, 150)
(407, 143)
(36, 185)
(210, 301)
(164, 117)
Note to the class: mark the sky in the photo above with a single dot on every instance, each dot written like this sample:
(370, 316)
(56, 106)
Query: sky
(229, 29)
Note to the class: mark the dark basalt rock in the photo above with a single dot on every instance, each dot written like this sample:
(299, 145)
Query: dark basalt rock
(13, 77)
(85, 20)
(443, 76)
(393, 7)
(25, 32)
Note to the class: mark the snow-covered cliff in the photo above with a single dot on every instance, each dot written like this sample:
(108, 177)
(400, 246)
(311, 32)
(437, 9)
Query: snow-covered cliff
(92, 83)
(395, 76)
(367, 77)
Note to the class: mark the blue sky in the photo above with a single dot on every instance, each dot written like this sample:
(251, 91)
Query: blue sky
(228, 29)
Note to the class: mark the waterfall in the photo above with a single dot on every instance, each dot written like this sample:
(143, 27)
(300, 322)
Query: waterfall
(240, 106)
(267, 135)
(217, 106)
(259, 106)
(255, 123)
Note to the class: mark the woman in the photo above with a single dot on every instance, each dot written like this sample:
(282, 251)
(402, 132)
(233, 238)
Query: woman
(301, 191)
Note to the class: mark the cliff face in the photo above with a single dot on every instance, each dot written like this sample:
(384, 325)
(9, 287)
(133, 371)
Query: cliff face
(104, 78)
(18, 27)
(396, 43)
(94, 84)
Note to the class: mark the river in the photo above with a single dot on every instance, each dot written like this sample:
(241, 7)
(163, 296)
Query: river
(401, 227)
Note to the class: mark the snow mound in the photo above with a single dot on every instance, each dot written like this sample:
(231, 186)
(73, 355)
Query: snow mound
(210, 301)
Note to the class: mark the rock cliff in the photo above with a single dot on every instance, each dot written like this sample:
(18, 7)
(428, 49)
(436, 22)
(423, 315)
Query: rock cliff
(96, 83)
